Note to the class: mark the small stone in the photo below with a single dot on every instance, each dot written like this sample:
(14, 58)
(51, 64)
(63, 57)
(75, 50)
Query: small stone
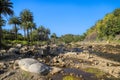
(55, 70)
(71, 74)
(62, 72)
(11, 62)
(4, 67)
(2, 64)
(81, 76)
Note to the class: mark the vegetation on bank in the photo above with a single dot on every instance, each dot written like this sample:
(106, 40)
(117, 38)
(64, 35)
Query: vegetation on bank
(106, 29)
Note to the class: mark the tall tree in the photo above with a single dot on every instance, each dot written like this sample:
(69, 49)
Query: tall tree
(31, 26)
(53, 37)
(47, 33)
(2, 22)
(26, 17)
(5, 9)
(15, 21)
(41, 32)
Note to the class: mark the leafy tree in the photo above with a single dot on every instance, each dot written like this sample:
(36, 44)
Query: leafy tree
(108, 27)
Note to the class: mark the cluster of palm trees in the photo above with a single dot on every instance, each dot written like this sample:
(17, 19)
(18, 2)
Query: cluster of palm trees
(25, 22)
(5, 9)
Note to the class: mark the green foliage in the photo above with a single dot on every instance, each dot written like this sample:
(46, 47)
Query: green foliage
(68, 38)
(2, 22)
(40, 34)
(95, 71)
(9, 35)
(71, 78)
(108, 27)
(19, 42)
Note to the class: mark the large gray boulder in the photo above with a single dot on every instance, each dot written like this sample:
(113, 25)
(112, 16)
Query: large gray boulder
(25, 63)
(39, 68)
(32, 65)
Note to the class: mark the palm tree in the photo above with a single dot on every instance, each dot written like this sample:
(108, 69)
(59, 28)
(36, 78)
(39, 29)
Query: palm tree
(53, 37)
(26, 16)
(47, 33)
(41, 32)
(5, 9)
(32, 26)
(15, 21)
(24, 28)
(14, 31)
(2, 22)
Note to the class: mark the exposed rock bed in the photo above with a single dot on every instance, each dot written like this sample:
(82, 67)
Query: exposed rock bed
(55, 59)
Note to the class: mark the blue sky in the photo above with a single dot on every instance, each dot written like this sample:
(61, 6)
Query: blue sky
(66, 16)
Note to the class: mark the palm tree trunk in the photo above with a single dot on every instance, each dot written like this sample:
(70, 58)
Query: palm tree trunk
(15, 32)
(31, 36)
(0, 35)
(24, 34)
(27, 35)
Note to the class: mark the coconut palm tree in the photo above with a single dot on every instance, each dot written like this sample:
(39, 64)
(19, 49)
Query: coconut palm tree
(41, 32)
(2, 22)
(47, 33)
(26, 17)
(5, 9)
(31, 26)
(22, 26)
(15, 21)
(53, 37)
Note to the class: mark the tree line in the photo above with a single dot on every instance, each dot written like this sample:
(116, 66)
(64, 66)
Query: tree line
(25, 22)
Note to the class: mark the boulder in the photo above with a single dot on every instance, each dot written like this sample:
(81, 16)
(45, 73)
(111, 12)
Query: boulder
(32, 65)
(39, 68)
(13, 51)
(2, 52)
(19, 45)
(25, 63)
(24, 49)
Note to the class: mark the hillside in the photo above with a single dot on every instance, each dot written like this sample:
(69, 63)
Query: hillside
(107, 28)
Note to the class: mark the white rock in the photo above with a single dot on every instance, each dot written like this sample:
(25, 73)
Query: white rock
(19, 45)
(38, 68)
(32, 65)
(2, 51)
(25, 63)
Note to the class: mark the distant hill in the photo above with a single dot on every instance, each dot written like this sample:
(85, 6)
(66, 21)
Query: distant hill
(107, 28)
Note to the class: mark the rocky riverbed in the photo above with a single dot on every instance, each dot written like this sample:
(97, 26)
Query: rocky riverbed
(77, 62)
